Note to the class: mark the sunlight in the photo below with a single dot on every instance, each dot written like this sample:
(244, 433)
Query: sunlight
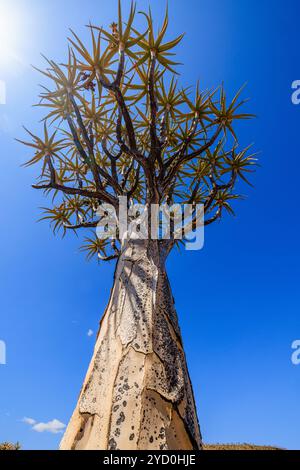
(10, 31)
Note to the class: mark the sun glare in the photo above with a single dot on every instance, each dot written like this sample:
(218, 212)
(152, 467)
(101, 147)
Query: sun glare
(10, 31)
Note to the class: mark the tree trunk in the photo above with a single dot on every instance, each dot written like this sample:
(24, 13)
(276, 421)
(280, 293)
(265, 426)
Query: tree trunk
(137, 393)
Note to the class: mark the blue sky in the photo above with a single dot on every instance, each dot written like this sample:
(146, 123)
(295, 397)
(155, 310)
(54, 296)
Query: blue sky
(237, 299)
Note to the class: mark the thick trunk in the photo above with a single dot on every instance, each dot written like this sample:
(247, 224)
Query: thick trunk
(137, 392)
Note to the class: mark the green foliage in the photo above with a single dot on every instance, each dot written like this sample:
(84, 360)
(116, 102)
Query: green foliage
(93, 246)
(47, 146)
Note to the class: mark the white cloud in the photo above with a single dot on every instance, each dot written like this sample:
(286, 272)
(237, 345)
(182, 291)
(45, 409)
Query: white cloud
(90, 332)
(29, 421)
(55, 426)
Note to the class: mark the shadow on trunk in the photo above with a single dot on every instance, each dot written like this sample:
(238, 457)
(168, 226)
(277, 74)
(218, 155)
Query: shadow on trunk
(137, 392)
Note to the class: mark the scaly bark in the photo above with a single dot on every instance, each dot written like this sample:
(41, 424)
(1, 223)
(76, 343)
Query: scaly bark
(137, 393)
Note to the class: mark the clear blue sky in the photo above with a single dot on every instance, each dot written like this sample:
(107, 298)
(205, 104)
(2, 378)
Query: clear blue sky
(237, 299)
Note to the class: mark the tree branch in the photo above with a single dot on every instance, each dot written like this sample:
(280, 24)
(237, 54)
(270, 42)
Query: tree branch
(136, 183)
(127, 173)
(77, 142)
(218, 187)
(110, 180)
(115, 88)
(113, 159)
(51, 170)
(180, 153)
(155, 144)
(115, 248)
(213, 219)
(81, 225)
(195, 191)
(88, 142)
(107, 258)
(120, 71)
(100, 195)
(179, 158)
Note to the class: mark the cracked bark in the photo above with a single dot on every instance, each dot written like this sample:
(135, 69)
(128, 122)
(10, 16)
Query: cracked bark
(137, 393)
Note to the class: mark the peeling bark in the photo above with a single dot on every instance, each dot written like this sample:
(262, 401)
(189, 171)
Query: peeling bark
(137, 393)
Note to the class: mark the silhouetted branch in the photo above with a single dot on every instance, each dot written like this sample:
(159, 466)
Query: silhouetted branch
(91, 224)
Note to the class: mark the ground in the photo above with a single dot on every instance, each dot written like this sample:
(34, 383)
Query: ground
(9, 446)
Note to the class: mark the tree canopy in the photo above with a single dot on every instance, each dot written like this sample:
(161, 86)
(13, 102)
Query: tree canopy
(118, 123)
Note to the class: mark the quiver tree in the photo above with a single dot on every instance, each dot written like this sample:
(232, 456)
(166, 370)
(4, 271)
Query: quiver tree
(122, 126)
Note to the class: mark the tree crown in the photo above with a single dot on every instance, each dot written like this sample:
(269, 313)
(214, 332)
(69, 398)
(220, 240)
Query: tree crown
(117, 123)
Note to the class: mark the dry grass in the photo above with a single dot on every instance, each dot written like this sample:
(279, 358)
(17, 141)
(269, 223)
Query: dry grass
(238, 447)
(9, 446)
